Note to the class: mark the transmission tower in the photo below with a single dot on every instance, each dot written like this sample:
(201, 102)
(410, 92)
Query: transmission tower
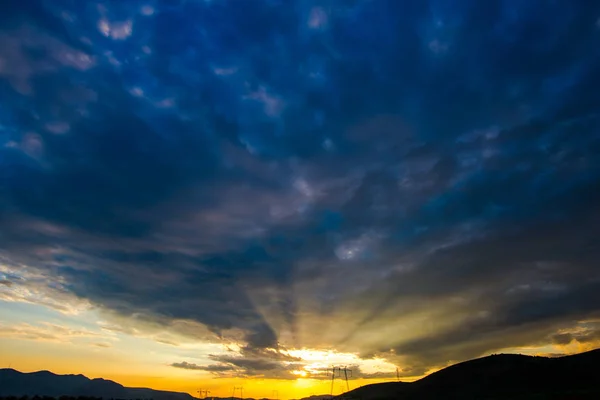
(334, 369)
(241, 389)
(340, 372)
(275, 394)
(346, 372)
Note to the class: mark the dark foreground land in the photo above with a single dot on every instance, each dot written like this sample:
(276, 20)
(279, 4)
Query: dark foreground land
(504, 376)
(44, 385)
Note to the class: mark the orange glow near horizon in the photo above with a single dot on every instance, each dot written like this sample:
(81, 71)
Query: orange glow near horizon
(140, 367)
(33, 338)
(30, 356)
(117, 365)
(218, 387)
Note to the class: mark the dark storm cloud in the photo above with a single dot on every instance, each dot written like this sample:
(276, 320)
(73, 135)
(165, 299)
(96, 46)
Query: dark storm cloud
(210, 368)
(294, 176)
(589, 334)
(270, 364)
(249, 363)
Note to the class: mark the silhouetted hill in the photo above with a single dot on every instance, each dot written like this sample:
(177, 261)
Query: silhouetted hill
(317, 397)
(504, 376)
(44, 383)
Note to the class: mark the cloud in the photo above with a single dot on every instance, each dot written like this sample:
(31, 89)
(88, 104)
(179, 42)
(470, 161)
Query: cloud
(19, 64)
(177, 181)
(584, 333)
(35, 287)
(46, 332)
(102, 345)
(249, 362)
(353, 373)
(186, 365)
(247, 370)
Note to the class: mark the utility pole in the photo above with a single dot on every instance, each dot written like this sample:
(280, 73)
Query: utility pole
(397, 374)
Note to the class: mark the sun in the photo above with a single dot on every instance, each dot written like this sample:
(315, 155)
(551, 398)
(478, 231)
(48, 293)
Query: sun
(300, 373)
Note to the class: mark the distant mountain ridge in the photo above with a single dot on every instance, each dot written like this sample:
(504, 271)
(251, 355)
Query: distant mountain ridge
(45, 383)
(503, 376)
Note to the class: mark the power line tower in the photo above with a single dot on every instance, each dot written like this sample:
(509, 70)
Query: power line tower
(347, 372)
(397, 374)
(334, 369)
(241, 389)
(275, 394)
(340, 372)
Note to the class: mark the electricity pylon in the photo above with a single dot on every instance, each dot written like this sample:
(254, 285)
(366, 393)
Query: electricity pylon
(241, 389)
(333, 371)
(346, 372)
(341, 372)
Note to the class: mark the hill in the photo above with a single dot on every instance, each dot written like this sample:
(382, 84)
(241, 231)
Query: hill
(504, 376)
(45, 383)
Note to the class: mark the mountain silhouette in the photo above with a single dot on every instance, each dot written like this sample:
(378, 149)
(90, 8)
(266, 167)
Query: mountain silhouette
(45, 383)
(503, 376)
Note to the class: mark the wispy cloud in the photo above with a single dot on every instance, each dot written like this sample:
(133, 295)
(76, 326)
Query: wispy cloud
(47, 332)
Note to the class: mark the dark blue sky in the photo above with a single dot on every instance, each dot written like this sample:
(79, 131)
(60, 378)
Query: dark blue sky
(304, 174)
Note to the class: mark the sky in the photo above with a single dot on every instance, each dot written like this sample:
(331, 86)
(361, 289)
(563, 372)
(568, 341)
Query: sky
(202, 194)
